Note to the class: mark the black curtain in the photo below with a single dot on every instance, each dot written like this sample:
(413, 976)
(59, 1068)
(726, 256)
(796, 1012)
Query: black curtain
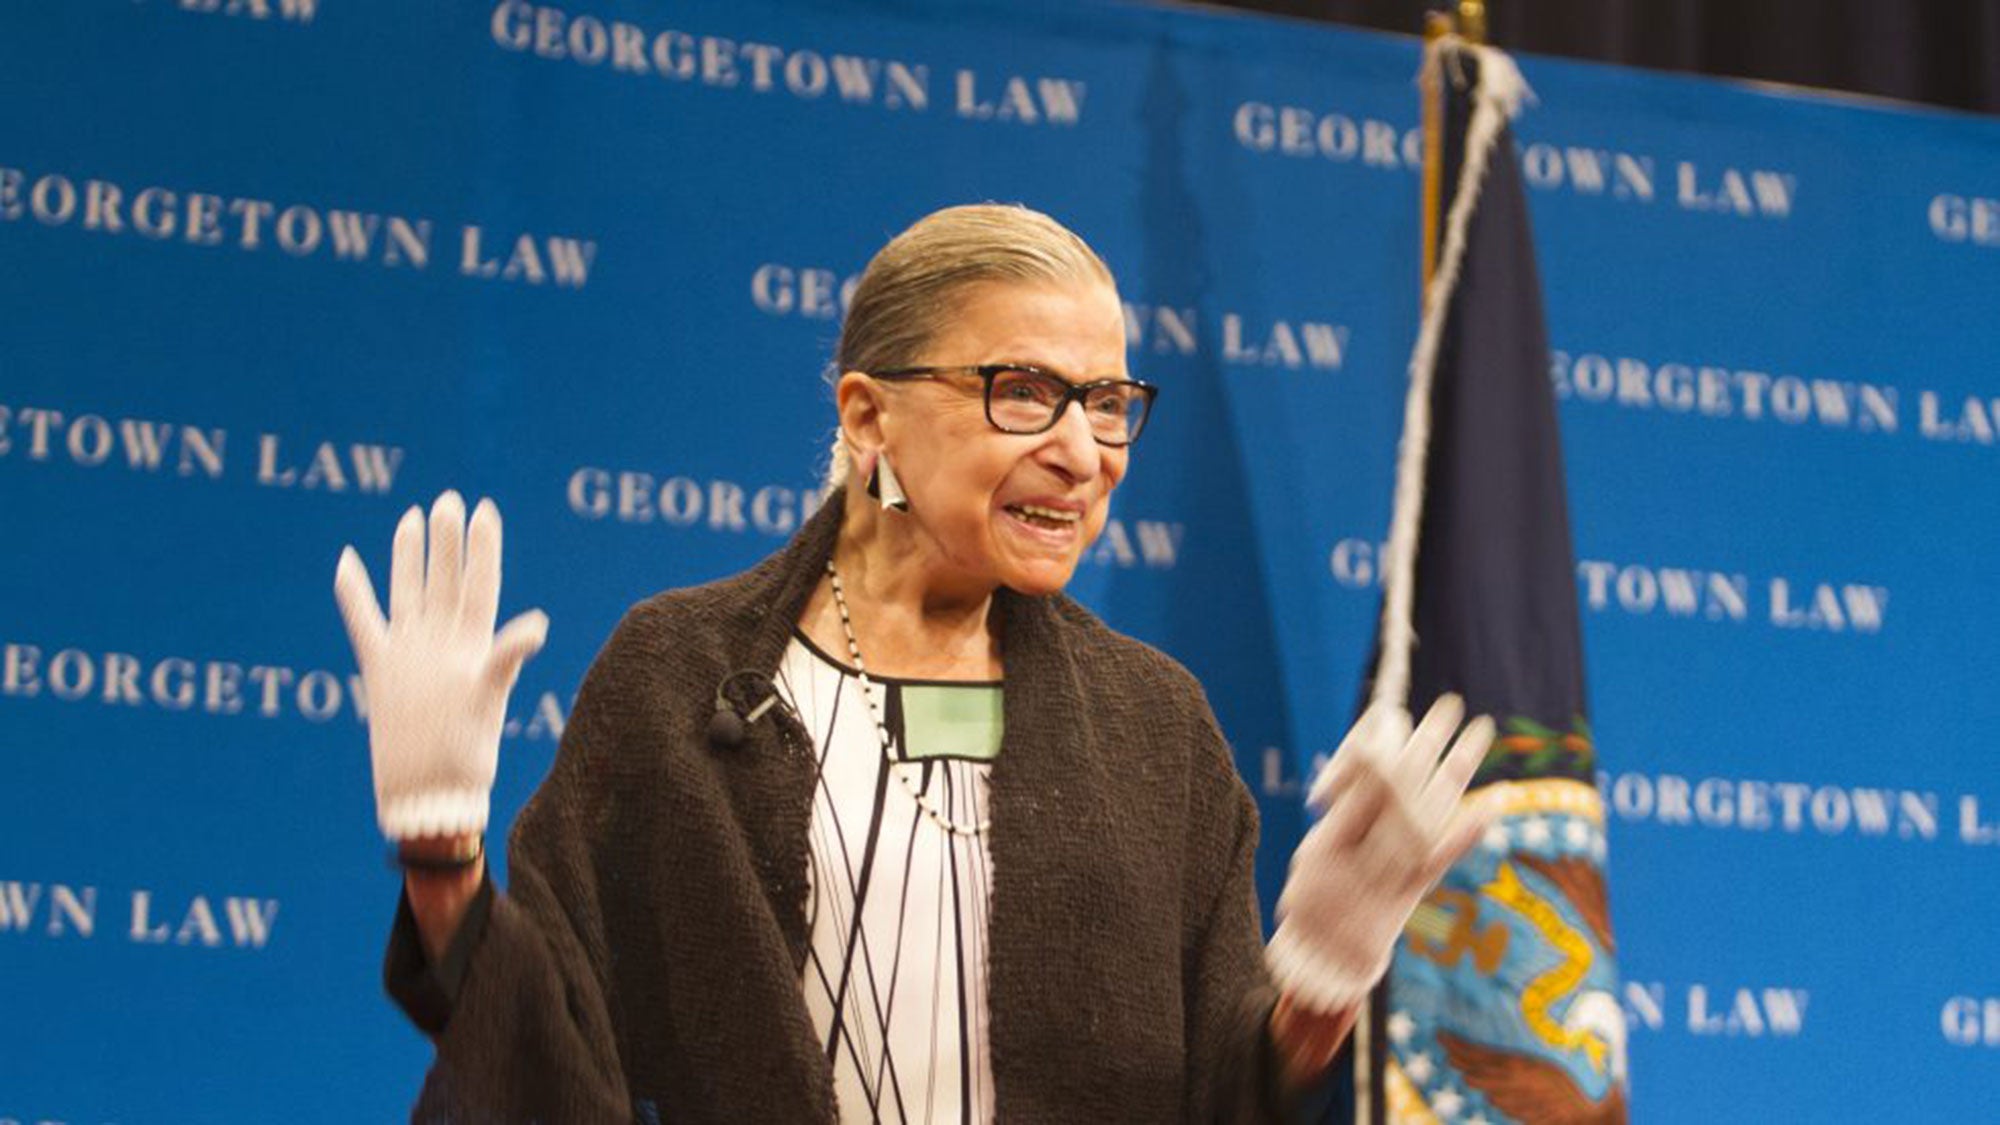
(1941, 52)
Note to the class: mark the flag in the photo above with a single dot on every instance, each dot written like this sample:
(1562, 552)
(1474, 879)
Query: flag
(1501, 1004)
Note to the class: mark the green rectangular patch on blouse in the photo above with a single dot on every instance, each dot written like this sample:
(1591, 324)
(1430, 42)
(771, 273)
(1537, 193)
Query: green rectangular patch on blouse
(951, 721)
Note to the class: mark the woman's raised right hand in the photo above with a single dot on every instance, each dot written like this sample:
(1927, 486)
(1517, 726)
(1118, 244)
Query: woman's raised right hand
(436, 674)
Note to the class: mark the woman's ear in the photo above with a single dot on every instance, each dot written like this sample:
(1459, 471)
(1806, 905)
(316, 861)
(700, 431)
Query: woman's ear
(861, 406)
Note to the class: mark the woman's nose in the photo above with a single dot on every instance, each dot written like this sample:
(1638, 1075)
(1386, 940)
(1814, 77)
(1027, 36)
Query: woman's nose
(1072, 446)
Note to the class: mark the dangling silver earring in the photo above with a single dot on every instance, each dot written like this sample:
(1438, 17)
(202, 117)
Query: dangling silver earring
(883, 486)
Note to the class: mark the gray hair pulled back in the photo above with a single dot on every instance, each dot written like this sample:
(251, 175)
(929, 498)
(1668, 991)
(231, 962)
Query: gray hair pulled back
(906, 295)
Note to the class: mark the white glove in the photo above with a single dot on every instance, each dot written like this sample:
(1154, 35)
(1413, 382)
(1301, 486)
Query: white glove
(1394, 822)
(436, 676)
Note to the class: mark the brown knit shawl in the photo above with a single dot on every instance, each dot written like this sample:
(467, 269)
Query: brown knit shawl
(645, 962)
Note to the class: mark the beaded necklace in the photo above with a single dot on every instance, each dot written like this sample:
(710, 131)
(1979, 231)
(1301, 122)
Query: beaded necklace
(924, 802)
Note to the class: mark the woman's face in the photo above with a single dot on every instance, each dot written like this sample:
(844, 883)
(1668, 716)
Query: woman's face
(1014, 510)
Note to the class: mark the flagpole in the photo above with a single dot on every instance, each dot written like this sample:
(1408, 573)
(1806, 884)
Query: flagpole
(1494, 102)
(1438, 25)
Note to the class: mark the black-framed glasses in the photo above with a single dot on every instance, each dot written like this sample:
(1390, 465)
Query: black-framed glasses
(1028, 400)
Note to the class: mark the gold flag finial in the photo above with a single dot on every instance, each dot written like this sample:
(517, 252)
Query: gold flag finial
(1472, 20)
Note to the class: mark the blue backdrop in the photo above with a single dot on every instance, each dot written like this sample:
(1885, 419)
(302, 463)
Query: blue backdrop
(275, 270)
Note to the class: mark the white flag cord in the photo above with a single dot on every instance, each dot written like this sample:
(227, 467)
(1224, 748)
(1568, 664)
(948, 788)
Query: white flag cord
(1497, 99)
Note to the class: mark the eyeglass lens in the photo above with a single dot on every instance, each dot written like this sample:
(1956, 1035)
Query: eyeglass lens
(1026, 402)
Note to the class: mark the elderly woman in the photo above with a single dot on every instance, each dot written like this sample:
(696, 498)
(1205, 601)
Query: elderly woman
(886, 828)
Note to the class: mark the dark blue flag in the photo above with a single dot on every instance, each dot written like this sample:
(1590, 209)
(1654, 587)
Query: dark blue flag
(1501, 1005)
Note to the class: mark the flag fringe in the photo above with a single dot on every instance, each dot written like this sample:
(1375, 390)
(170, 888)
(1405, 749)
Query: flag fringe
(1498, 98)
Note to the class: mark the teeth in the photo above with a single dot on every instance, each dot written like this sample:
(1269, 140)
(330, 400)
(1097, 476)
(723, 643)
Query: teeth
(1046, 513)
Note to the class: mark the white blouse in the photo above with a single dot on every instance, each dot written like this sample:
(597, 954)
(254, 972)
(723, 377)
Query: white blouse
(896, 980)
